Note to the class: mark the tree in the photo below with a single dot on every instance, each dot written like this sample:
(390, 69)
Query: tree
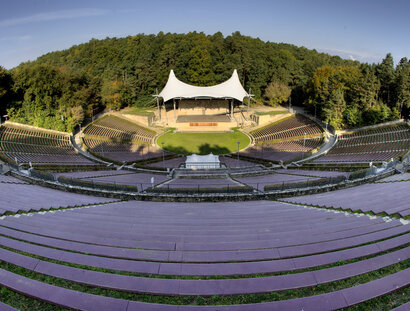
(6, 84)
(402, 85)
(200, 63)
(334, 108)
(114, 94)
(116, 72)
(377, 114)
(277, 93)
(386, 74)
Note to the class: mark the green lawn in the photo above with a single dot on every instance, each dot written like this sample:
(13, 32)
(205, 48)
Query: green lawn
(203, 143)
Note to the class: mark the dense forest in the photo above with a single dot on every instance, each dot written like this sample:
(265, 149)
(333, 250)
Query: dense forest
(60, 89)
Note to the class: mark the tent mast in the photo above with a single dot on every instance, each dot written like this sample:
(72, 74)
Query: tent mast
(159, 110)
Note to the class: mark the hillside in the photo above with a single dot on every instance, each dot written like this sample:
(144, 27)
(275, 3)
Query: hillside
(60, 89)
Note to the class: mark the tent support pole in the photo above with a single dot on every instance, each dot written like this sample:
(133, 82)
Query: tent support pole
(159, 110)
(175, 113)
(249, 103)
(166, 115)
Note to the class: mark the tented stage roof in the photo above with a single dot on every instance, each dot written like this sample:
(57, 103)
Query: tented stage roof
(231, 88)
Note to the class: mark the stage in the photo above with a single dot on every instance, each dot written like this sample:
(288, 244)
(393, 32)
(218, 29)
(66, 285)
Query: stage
(203, 118)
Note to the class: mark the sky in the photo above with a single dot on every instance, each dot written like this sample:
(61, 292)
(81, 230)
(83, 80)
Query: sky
(364, 30)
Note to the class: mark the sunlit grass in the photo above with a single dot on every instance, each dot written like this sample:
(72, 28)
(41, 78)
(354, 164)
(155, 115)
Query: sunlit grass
(203, 143)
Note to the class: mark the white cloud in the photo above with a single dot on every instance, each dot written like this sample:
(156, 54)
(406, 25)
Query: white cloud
(56, 15)
(128, 10)
(16, 38)
(362, 56)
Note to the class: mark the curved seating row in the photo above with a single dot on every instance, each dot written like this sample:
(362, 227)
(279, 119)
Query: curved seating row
(294, 126)
(38, 146)
(120, 247)
(388, 198)
(379, 144)
(120, 140)
(329, 301)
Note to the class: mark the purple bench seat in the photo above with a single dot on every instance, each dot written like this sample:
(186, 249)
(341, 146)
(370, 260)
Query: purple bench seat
(191, 234)
(36, 198)
(134, 240)
(83, 301)
(206, 269)
(4, 307)
(403, 307)
(243, 254)
(178, 287)
(389, 198)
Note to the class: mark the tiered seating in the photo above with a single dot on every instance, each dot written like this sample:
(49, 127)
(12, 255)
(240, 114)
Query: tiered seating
(282, 150)
(38, 146)
(396, 178)
(389, 198)
(285, 139)
(37, 198)
(120, 140)
(259, 182)
(141, 180)
(150, 254)
(115, 127)
(122, 151)
(171, 163)
(234, 162)
(10, 180)
(199, 184)
(294, 126)
(378, 144)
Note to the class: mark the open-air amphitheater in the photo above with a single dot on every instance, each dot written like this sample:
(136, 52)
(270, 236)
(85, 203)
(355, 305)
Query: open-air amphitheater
(304, 218)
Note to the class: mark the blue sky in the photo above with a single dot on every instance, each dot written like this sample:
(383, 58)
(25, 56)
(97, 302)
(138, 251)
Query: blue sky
(362, 29)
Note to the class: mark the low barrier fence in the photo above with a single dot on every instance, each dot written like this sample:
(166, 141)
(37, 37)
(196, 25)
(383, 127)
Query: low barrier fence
(147, 192)
(307, 183)
(193, 189)
(189, 187)
(86, 183)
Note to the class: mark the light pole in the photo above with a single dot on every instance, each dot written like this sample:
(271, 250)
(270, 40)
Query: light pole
(290, 102)
(304, 141)
(238, 153)
(163, 155)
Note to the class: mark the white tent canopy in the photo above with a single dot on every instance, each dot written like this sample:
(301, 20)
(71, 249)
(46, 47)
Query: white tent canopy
(196, 161)
(231, 88)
